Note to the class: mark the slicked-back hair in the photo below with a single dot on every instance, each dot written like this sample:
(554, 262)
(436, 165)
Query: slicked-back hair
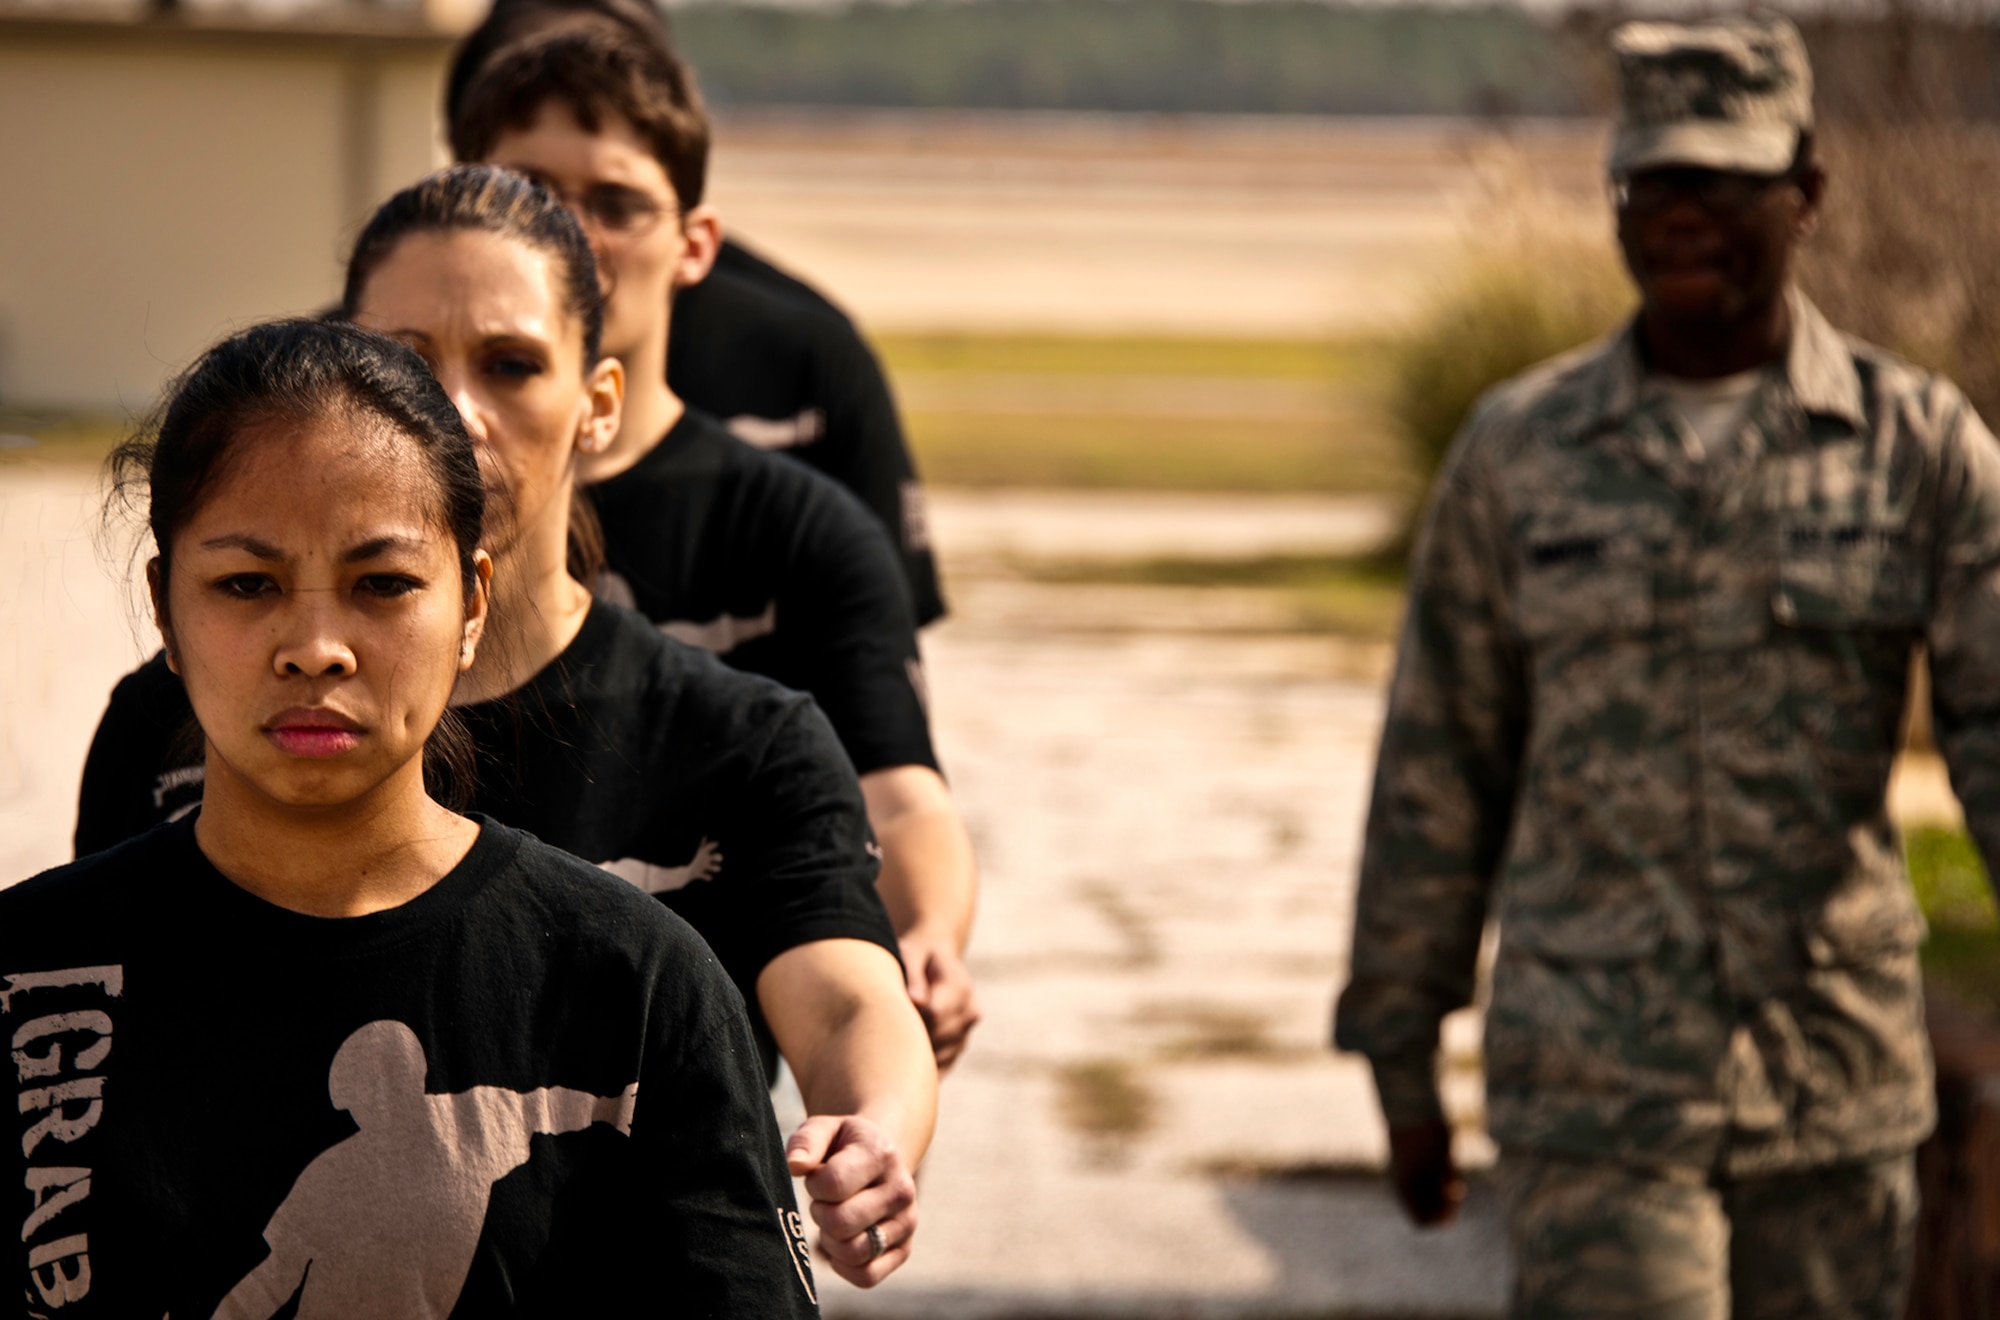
(597, 67)
(299, 372)
(489, 200)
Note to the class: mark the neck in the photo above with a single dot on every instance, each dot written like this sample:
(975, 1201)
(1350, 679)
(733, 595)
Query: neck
(374, 853)
(538, 608)
(1709, 350)
(651, 409)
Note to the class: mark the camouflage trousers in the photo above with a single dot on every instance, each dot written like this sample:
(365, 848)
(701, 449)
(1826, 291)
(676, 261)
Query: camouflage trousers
(1595, 1238)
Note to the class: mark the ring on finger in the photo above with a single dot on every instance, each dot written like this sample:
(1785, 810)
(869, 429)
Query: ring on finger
(877, 1244)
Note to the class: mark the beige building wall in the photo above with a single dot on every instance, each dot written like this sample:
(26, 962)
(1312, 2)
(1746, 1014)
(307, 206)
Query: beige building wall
(163, 186)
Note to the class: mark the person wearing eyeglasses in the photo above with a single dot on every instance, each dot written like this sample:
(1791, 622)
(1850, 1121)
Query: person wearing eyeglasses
(1650, 687)
(779, 362)
(753, 556)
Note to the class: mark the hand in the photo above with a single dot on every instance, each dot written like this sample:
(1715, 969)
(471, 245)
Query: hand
(941, 988)
(856, 1178)
(1427, 1183)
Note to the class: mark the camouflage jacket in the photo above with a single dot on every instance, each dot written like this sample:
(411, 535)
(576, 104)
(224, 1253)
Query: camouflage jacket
(1644, 714)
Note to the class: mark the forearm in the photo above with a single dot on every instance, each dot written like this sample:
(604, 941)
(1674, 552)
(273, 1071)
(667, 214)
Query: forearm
(842, 1018)
(929, 879)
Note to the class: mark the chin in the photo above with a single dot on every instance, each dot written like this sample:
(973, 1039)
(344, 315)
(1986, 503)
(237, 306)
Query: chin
(1698, 305)
(316, 786)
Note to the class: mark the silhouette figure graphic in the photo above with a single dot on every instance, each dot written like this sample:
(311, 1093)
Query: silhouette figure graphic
(385, 1223)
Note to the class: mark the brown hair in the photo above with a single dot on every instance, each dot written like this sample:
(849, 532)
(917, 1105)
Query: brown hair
(595, 66)
(508, 21)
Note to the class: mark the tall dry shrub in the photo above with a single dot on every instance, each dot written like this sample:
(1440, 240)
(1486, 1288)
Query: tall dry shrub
(1502, 311)
(1538, 280)
(1908, 253)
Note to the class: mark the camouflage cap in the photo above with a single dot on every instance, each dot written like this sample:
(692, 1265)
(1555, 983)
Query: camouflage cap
(1730, 94)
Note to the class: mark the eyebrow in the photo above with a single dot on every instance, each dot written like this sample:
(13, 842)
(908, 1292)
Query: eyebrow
(238, 541)
(487, 339)
(369, 549)
(380, 546)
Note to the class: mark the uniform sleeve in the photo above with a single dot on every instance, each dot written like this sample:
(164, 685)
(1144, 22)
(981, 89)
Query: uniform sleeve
(799, 861)
(865, 450)
(716, 1189)
(854, 639)
(1964, 631)
(128, 787)
(1443, 799)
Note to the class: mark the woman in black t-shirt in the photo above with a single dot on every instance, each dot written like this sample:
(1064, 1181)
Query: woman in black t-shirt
(723, 794)
(328, 1047)
(739, 550)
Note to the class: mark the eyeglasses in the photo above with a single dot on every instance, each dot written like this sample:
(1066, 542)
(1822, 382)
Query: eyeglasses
(611, 208)
(1722, 193)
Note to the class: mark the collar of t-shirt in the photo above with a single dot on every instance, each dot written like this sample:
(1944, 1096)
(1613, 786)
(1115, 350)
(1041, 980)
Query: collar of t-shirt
(688, 447)
(552, 681)
(248, 922)
(1711, 412)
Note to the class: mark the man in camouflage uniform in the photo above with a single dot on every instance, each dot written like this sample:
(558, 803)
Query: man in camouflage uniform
(1649, 690)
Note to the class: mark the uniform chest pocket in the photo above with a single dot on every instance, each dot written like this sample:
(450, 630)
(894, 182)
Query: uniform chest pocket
(1583, 586)
(1850, 577)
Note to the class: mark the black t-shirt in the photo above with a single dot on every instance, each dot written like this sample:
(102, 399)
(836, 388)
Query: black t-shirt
(786, 369)
(780, 572)
(526, 1092)
(722, 793)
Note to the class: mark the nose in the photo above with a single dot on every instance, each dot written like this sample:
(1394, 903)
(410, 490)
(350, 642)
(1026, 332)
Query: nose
(458, 384)
(313, 645)
(593, 234)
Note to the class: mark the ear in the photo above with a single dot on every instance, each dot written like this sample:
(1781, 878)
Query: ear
(603, 408)
(1812, 192)
(156, 591)
(702, 228)
(477, 607)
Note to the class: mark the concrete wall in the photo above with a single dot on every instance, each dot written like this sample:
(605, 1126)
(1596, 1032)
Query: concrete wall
(158, 188)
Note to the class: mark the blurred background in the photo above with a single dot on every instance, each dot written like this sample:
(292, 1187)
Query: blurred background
(1182, 301)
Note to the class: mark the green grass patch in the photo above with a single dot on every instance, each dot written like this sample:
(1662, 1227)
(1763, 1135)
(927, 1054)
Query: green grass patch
(1132, 355)
(1344, 447)
(1962, 955)
(1345, 595)
(1098, 452)
(66, 440)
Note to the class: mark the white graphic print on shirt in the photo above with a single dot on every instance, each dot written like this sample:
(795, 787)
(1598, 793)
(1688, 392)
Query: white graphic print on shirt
(386, 1223)
(653, 879)
(63, 1094)
(779, 432)
(719, 635)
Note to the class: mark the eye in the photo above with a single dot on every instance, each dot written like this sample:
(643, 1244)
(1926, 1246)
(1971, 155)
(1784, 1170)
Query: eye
(621, 208)
(247, 586)
(388, 585)
(514, 367)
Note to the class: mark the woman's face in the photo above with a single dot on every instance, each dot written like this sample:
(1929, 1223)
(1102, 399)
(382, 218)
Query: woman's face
(484, 311)
(315, 609)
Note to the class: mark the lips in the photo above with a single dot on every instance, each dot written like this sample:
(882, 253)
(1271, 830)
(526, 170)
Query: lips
(316, 734)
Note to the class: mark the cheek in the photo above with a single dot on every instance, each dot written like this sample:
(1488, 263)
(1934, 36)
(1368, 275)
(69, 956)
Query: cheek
(644, 267)
(419, 664)
(214, 644)
(530, 449)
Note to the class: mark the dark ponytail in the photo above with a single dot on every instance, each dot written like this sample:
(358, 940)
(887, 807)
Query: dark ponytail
(297, 372)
